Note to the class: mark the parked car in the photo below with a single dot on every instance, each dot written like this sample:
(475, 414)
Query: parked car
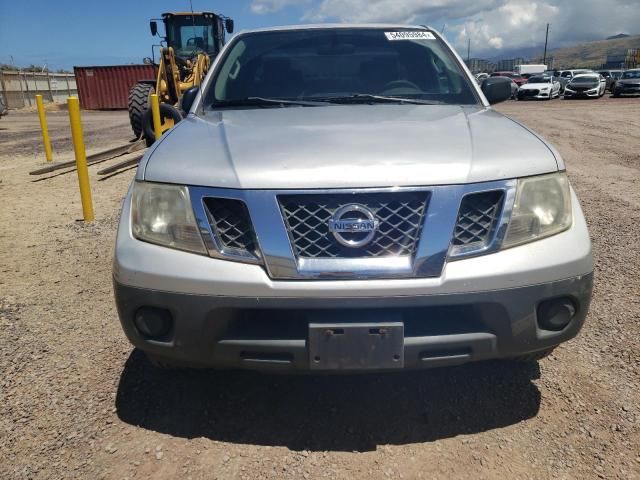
(540, 87)
(567, 75)
(516, 77)
(335, 201)
(616, 74)
(514, 90)
(629, 83)
(3, 106)
(610, 76)
(481, 76)
(586, 85)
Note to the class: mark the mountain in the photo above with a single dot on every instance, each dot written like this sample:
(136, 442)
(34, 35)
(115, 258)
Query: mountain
(589, 55)
(620, 35)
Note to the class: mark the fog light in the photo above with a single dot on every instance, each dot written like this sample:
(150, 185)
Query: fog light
(153, 322)
(556, 314)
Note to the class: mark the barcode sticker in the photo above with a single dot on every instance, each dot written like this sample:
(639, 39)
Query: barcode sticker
(410, 35)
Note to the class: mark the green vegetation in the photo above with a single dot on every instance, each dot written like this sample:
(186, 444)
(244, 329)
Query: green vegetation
(30, 68)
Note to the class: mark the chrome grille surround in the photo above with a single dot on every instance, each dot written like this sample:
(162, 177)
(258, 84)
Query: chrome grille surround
(231, 222)
(432, 249)
(477, 218)
(400, 216)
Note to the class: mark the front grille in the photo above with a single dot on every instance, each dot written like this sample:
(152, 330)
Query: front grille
(231, 223)
(530, 93)
(582, 89)
(400, 217)
(478, 215)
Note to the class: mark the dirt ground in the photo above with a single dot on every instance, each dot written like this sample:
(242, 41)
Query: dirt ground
(76, 401)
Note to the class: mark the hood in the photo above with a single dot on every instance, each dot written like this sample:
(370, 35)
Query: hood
(629, 81)
(346, 147)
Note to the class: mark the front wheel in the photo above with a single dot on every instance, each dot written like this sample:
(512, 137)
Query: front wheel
(138, 104)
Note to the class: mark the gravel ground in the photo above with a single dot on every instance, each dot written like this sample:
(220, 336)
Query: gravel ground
(79, 402)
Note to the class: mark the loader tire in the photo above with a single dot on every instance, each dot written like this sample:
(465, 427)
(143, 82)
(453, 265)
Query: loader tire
(138, 104)
(166, 112)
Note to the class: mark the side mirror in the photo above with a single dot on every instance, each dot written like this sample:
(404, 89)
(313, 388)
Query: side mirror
(228, 25)
(188, 98)
(154, 27)
(496, 89)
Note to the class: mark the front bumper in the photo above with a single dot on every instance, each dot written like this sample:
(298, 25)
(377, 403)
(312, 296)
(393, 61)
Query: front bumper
(627, 90)
(232, 314)
(272, 333)
(582, 94)
(525, 95)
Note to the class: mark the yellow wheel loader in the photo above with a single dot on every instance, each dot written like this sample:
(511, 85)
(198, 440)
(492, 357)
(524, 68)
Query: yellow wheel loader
(191, 42)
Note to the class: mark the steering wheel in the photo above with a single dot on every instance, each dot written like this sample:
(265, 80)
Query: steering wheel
(400, 84)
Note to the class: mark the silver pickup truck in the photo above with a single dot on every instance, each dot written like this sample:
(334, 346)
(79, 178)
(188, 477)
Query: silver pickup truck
(345, 198)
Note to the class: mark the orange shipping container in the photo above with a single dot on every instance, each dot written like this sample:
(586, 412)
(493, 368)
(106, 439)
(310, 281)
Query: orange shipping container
(107, 87)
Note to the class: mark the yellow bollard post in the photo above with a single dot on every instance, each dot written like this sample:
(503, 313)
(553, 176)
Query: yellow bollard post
(81, 158)
(43, 127)
(155, 113)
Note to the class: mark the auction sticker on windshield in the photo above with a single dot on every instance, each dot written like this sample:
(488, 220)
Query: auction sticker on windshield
(416, 35)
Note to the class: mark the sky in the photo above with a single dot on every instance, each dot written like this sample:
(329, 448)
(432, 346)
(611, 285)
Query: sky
(64, 33)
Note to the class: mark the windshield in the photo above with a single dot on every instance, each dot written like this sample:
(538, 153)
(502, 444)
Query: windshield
(190, 35)
(631, 74)
(585, 80)
(326, 64)
(539, 79)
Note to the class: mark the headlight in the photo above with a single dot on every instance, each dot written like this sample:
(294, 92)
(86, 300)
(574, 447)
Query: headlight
(542, 208)
(162, 214)
(568, 89)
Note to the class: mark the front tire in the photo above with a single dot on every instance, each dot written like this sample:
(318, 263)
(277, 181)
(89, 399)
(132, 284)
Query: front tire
(138, 104)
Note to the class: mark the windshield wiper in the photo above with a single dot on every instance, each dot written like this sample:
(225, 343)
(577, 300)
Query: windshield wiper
(265, 102)
(370, 98)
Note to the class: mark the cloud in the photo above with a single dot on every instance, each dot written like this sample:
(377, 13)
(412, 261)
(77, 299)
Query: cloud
(264, 7)
(409, 11)
(492, 25)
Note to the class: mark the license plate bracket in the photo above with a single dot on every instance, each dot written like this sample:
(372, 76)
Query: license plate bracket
(356, 346)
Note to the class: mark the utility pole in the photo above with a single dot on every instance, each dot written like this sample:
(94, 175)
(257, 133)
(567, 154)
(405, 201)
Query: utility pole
(546, 42)
(468, 50)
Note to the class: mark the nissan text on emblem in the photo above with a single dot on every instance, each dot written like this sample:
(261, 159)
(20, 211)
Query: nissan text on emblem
(353, 225)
